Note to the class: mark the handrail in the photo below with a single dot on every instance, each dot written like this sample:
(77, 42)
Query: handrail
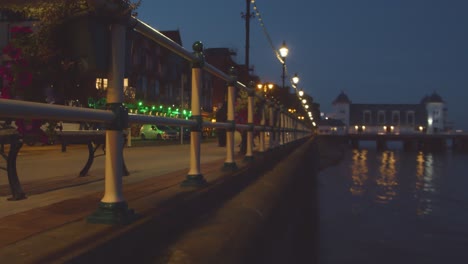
(23, 109)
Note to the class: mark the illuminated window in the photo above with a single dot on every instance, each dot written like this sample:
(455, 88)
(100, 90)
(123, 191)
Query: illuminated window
(101, 83)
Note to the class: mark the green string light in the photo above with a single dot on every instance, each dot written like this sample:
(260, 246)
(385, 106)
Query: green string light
(143, 109)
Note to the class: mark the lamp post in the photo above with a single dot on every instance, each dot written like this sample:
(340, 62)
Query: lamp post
(283, 53)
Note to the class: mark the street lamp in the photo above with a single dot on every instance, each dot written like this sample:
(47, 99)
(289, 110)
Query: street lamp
(283, 53)
(264, 87)
(295, 79)
(301, 93)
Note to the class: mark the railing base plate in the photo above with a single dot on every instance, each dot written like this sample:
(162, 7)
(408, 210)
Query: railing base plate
(112, 214)
(230, 166)
(194, 181)
(249, 158)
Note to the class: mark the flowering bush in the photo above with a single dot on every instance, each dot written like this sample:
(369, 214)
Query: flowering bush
(16, 73)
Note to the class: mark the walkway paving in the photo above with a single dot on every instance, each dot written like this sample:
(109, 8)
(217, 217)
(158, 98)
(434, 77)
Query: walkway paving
(45, 171)
(50, 225)
(56, 196)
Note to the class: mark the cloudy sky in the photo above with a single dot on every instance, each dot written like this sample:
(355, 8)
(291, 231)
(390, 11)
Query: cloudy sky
(377, 51)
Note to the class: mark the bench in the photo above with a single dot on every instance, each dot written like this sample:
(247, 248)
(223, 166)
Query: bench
(10, 136)
(94, 139)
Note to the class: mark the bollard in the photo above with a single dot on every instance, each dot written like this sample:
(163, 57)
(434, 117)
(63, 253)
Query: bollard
(230, 164)
(194, 177)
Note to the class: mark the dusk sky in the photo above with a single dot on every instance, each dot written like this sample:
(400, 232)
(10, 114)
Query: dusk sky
(377, 51)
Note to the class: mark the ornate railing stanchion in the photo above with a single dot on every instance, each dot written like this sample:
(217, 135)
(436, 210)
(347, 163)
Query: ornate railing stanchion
(277, 124)
(271, 108)
(194, 177)
(263, 124)
(113, 208)
(250, 121)
(230, 164)
(282, 125)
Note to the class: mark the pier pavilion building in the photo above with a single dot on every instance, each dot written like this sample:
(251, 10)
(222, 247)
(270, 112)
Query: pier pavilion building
(429, 116)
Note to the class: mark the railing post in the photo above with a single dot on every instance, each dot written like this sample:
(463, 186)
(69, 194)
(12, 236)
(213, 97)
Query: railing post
(230, 164)
(113, 208)
(271, 142)
(129, 137)
(282, 125)
(194, 177)
(262, 132)
(295, 128)
(250, 121)
(277, 124)
(299, 133)
(286, 127)
(291, 127)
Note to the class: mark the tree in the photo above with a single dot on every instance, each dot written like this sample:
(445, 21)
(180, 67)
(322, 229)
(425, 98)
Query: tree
(41, 49)
(16, 71)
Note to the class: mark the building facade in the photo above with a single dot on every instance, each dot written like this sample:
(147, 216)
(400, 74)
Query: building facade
(429, 116)
(157, 75)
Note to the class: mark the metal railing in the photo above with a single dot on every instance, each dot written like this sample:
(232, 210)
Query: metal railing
(113, 207)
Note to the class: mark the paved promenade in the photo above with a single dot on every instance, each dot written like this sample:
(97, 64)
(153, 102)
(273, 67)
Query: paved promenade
(50, 176)
(50, 227)
(57, 196)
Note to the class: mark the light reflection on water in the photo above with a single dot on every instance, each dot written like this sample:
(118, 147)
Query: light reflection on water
(424, 187)
(385, 181)
(394, 207)
(359, 172)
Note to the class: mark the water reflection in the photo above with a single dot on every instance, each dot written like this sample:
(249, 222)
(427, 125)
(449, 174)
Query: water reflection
(384, 168)
(386, 179)
(424, 187)
(359, 172)
(400, 206)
